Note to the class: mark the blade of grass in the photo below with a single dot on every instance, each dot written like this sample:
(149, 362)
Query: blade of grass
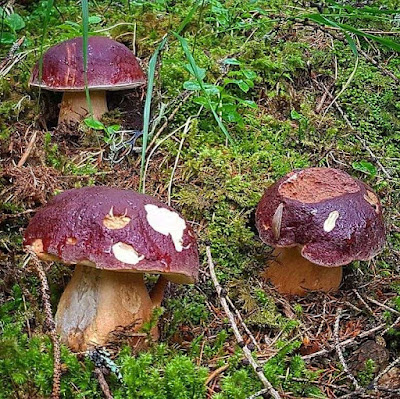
(44, 33)
(322, 20)
(3, 14)
(85, 37)
(150, 85)
(195, 69)
(147, 104)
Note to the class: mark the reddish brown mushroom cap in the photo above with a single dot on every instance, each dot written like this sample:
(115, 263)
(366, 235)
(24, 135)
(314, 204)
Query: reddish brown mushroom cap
(111, 66)
(115, 229)
(334, 218)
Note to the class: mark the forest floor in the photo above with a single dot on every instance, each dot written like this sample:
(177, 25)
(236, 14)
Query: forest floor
(294, 85)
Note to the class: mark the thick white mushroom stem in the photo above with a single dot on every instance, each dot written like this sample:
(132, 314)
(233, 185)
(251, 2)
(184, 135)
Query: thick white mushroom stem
(292, 274)
(96, 302)
(74, 106)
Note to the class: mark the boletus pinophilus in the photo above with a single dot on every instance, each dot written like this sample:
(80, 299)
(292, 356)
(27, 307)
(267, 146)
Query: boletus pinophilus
(111, 66)
(113, 237)
(318, 219)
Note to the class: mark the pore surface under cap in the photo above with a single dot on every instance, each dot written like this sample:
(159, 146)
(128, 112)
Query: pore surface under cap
(335, 218)
(111, 66)
(112, 229)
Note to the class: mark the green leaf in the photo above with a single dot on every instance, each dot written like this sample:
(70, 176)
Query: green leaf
(113, 128)
(196, 71)
(94, 124)
(247, 103)
(191, 85)
(295, 115)
(7, 38)
(231, 61)
(15, 22)
(249, 74)
(364, 167)
(94, 19)
(243, 86)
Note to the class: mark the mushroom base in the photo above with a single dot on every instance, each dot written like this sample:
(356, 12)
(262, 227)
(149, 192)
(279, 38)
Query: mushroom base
(96, 302)
(74, 106)
(292, 274)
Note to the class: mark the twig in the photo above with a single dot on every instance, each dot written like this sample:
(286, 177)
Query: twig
(170, 117)
(340, 353)
(382, 373)
(171, 180)
(153, 151)
(351, 341)
(28, 150)
(364, 303)
(216, 372)
(259, 393)
(383, 305)
(103, 383)
(239, 316)
(345, 86)
(222, 297)
(55, 394)
(394, 324)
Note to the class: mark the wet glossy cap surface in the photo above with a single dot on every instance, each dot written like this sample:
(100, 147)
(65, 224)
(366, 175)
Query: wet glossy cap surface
(115, 229)
(111, 66)
(334, 218)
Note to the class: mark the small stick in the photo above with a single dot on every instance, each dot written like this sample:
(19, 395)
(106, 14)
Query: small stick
(216, 373)
(397, 321)
(103, 383)
(171, 180)
(340, 353)
(28, 150)
(222, 297)
(352, 341)
(382, 305)
(55, 394)
(259, 393)
(239, 316)
(382, 373)
(364, 303)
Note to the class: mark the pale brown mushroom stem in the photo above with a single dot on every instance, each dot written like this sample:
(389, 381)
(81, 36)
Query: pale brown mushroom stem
(292, 274)
(96, 302)
(74, 107)
(157, 293)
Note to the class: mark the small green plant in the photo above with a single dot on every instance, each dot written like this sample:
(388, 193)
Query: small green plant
(11, 24)
(365, 167)
(366, 375)
(109, 131)
(224, 101)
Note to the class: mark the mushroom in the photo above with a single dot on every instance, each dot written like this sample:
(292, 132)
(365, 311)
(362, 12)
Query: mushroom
(318, 219)
(110, 66)
(113, 236)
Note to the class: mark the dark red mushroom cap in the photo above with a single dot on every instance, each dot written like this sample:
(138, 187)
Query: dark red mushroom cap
(111, 66)
(115, 229)
(334, 218)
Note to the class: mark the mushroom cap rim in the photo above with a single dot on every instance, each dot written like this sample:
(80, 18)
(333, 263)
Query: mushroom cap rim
(181, 278)
(313, 261)
(118, 87)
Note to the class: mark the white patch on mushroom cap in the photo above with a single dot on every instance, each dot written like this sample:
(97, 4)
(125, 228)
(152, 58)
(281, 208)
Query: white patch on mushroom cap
(166, 222)
(126, 253)
(291, 178)
(330, 222)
